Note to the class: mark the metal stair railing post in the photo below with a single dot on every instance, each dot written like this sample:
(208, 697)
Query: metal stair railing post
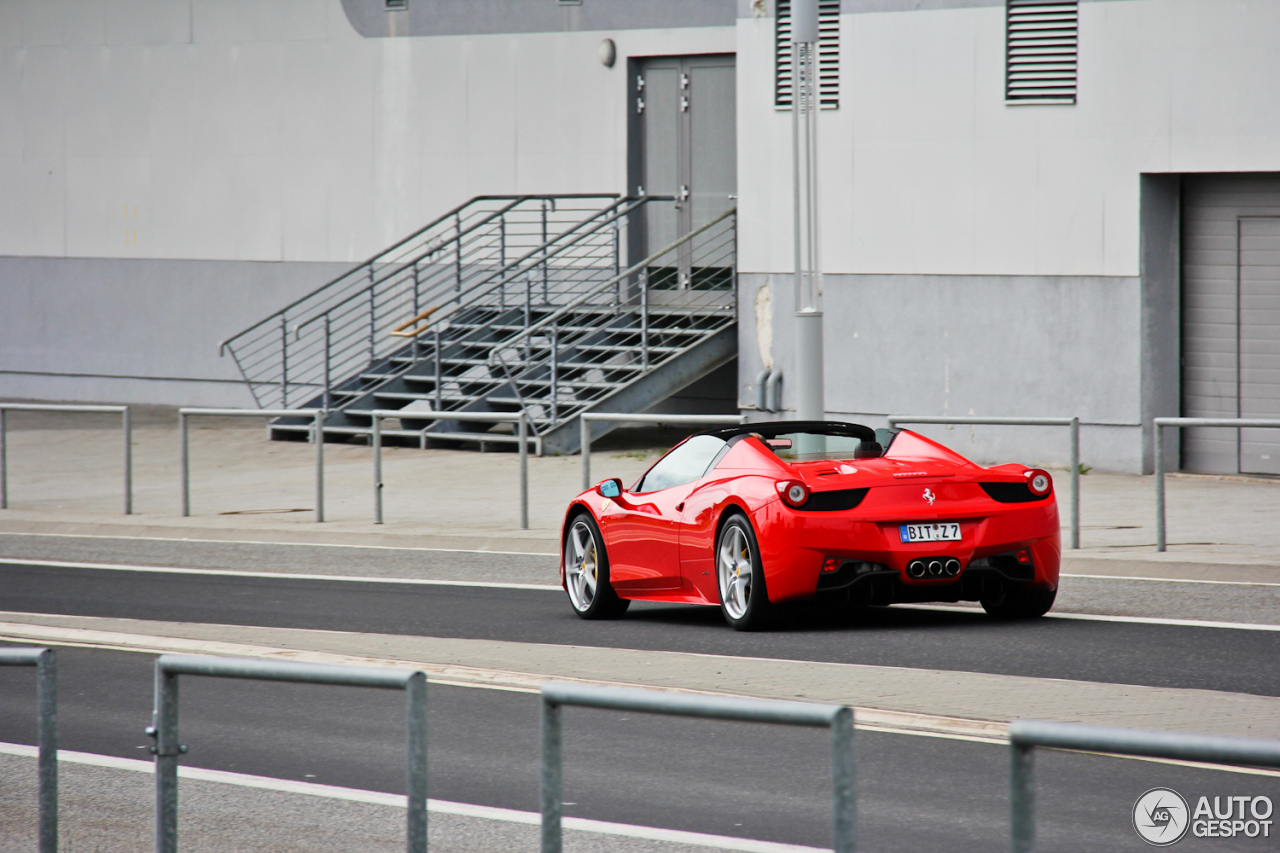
(617, 417)
(46, 663)
(167, 749)
(1026, 735)
(1074, 451)
(838, 718)
(126, 429)
(1178, 423)
(520, 419)
(317, 435)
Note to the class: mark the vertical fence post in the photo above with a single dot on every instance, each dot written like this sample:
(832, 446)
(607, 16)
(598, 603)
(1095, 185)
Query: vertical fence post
(555, 371)
(377, 469)
(1075, 482)
(4, 463)
(844, 789)
(585, 444)
(185, 464)
(439, 372)
(552, 777)
(373, 316)
(126, 425)
(1022, 800)
(416, 772)
(523, 435)
(165, 731)
(1160, 532)
(644, 319)
(317, 432)
(47, 736)
(284, 362)
(328, 383)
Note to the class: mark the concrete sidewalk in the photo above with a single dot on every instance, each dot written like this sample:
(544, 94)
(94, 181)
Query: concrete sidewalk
(66, 477)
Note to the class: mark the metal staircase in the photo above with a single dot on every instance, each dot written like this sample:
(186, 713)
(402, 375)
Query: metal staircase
(503, 303)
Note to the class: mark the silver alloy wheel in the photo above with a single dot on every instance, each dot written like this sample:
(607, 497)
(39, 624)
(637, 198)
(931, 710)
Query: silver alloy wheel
(734, 570)
(581, 565)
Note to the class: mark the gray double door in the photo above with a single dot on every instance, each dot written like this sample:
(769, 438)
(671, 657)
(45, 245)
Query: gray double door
(683, 144)
(1231, 319)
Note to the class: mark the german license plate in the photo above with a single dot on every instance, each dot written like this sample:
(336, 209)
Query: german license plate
(943, 531)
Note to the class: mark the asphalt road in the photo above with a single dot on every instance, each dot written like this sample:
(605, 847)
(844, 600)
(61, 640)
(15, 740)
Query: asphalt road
(766, 782)
(1126, 653)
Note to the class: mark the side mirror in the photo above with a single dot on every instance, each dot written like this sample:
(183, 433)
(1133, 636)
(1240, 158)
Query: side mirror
(610, 488)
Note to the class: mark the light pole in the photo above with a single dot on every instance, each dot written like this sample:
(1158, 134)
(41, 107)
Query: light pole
(810, 405)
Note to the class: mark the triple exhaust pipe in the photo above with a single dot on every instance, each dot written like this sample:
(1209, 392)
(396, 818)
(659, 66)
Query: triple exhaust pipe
(934, 567)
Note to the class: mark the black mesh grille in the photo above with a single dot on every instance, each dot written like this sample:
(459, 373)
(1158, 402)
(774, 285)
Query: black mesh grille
(834, 501)
(1010, 493)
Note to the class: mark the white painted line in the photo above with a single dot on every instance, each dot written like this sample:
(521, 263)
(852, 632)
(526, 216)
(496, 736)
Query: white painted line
(1091, 617)
(285, 544)
(1174, 580)
(232, 573)
(334, 792)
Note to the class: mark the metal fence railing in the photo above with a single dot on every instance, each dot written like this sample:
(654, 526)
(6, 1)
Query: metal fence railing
(126, 426)
(46, 663)
(520, 419)
(839, 718)
(1073, 423)
(618, 418)
(1026, 735)
(164, 727)
(1178, 423)
(317, 436)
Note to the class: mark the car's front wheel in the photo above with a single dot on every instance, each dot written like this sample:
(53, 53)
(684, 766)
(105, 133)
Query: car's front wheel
(744, 600)
(1014, 603)
(586, 572)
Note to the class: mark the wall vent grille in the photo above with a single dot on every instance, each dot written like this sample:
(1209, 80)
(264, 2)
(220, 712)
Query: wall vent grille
(1040, 51)
(828, 55)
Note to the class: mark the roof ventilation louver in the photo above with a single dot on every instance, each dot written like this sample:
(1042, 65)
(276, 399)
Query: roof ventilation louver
(1041, 38)
(828, 55)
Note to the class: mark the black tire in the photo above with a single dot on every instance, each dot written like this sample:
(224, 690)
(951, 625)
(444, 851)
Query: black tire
(1014, 603)
(744, 598)
(586, 571)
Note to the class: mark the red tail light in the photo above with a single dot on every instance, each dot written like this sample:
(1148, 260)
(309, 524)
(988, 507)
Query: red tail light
(1023, 556)
(794, 493)
(1039, 482)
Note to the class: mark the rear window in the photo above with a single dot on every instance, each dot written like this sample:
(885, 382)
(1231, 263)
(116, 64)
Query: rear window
(809, 446)
(684, 464)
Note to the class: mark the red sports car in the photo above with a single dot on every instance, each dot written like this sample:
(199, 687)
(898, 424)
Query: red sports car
(749, 516)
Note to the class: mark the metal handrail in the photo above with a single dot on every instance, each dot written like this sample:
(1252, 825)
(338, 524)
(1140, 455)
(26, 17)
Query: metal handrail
(164, 726)
(1074, 423)
(46, 663)
(1159, 423)
(317, 435)
(617, 417)
(839, 718)
(1026, 735)
(126, 427)
(437, 221)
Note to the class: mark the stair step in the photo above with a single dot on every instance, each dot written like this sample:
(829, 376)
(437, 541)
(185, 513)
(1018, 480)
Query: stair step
(494, 437)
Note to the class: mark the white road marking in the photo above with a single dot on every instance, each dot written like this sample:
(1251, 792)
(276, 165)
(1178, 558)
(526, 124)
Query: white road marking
(1173, 580)
(265, 542)
(232, 573)
(334, 792)
(1092, 617)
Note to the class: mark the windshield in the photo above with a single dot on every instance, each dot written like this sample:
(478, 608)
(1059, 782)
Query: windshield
(811, 446)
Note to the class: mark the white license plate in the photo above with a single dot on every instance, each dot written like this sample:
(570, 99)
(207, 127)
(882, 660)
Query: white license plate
(943, 531)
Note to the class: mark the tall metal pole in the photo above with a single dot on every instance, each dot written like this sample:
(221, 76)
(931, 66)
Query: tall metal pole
(810, 404)
(127, 429)
(4, 463)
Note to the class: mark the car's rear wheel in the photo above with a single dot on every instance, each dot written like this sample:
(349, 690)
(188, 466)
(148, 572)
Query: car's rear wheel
(586, 572)
(1014, 603)
(744, 601)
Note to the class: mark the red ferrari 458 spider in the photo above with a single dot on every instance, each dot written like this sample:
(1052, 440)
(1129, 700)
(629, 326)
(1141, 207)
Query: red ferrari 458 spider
(749, 516)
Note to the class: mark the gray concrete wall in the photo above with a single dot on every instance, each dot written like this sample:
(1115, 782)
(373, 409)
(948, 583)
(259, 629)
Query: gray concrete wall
(136, 331)
(967, 345)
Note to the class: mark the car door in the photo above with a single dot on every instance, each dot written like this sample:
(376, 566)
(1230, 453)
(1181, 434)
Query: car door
(641, 527)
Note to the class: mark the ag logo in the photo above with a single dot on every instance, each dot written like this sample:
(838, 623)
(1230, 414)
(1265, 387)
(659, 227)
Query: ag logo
(929, 496)
(1160, 817)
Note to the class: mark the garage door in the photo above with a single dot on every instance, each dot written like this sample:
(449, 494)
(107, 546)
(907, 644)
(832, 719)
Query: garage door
(1231, 319)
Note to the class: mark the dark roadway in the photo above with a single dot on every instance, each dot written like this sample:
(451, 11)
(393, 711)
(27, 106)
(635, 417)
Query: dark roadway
(1126, 653)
